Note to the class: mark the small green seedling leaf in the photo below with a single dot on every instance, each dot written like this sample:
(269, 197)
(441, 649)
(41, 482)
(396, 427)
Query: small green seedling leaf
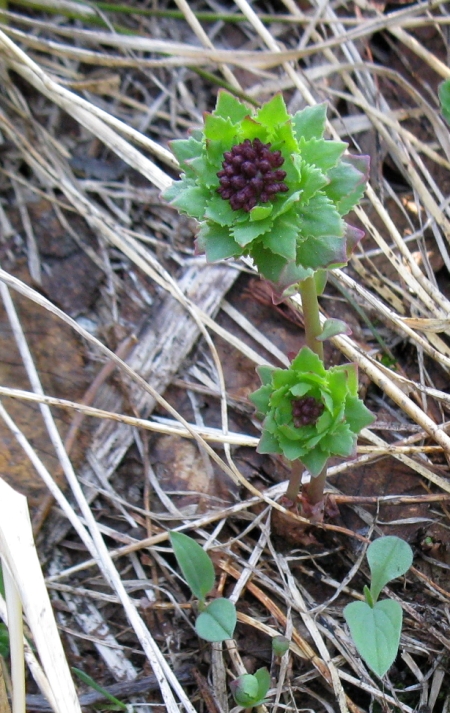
(4, 640)
(444, 96)
(93, 684)
(375, 632)
(250, 690)
(389, 558)
(333, 327)
(280, 644)
(195, 564)
(217, 622)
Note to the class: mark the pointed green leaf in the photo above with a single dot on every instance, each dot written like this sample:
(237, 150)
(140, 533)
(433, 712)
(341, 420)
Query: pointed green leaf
(185, 149)
(220, 211)
(245, 234)
(268, 443)
(282, 239)
(217, 128)
(312, 178)
(332, 327)
(357, 415)
(310, 122)
(261, 398)
(229, 107)
(269, 265)
(195, 564)
(273, 113)
(315, 461)
(444, 97)
(265, 374)
(375, 632)
(217, 622)
(388, 557)
(319, 218)
(341, 442)
(318, 253)
(96, 686)
(307, 360)
(217, 242)
(322, 153)
(260, 212)
(188, 199)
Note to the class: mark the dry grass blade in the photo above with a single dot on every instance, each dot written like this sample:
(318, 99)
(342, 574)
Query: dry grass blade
(20, 556)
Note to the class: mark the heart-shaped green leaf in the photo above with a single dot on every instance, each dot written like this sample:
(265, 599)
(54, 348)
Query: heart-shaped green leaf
(196, 565)
(388, 557)
(217, 622)
(375, 632)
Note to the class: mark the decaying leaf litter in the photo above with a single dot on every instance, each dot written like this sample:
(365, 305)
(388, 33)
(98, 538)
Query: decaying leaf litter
(99, 269)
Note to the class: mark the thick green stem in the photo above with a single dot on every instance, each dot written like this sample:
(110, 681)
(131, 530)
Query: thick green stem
(313, 328)
(311, 315)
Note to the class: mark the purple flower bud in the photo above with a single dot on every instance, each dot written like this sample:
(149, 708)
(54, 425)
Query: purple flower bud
(250, 175)
(306, 410)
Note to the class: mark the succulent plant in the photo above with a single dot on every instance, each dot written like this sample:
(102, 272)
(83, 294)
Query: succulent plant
(310, 413)
(267, 184)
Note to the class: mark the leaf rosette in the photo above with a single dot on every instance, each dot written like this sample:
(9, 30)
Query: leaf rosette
(310, 413)
(266, 184)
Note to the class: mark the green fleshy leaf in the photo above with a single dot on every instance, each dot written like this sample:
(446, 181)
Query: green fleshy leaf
(341, 442)
(307, 360)
(351, 371)
(188, 199)
(268, 443)
(273, 113)
(246, 233)
(357, 415)
(283, 139)
(195, 564)
(322, 153)
(217, 622)
(346, 186)
(217, 128)
(310, 122)
(333, 327)
(282, 239)
(220, 211)
(324, 422)
(319, 253)
(320, 218)
(217, 242)
(375, 632)
(291, 450)
(259, 212)
(265, 374)
(261, 398)
(312, 179)
(229, 107)
(315, 461)
(291, 432)
(269, 265)
(185, 149)
(299, 390)
(337, 386)
(251, 129)
(389, 557)
(288, 279)
(205, 171)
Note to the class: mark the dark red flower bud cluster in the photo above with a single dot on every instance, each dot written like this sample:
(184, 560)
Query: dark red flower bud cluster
(251, 174)
(306, 411)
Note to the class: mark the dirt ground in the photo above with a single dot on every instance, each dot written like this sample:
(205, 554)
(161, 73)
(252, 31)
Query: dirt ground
(97, 265)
